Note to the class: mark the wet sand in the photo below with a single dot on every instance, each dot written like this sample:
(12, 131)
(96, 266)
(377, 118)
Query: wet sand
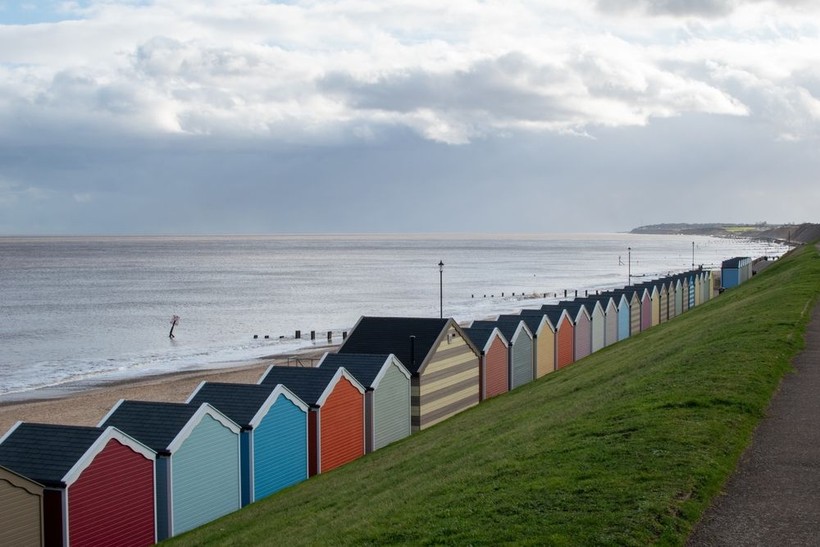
(87, 404)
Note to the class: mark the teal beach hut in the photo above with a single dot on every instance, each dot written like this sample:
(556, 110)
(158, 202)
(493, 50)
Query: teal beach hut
(273, 439)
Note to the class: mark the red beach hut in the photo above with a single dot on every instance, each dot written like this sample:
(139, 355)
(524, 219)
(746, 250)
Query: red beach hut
(336, 417)
(98, 482)
(493, 360)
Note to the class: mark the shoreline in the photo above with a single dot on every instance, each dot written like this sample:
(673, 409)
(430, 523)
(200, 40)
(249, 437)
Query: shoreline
(87, 402)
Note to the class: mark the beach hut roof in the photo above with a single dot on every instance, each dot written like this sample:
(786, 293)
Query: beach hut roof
(534, 321)
(508, 325)
(392, 335)
(308, 383)
(367, 368)
(162, 426)
(245, 404)
(54, 455)
(482, 336)
(733, 262)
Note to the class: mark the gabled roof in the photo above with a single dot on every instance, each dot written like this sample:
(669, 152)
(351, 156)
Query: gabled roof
(245, 404)
(162, 426)
(367, 368)
(509, 325)
(45, 452)
(733, 262)
(574, 309)
(482, 336)
(553, 313)
(534, 321)
(308, 383)
(382, 335)
(54, 455)
(590, 302)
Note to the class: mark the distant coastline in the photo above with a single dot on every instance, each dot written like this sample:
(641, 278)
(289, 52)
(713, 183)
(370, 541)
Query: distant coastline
(793, 234)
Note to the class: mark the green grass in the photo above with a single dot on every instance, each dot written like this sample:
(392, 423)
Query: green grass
(625, 447)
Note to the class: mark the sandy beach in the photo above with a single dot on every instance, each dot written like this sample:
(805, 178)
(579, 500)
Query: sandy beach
(88, 406)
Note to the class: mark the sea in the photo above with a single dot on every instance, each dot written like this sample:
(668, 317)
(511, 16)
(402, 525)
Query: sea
(80, 311)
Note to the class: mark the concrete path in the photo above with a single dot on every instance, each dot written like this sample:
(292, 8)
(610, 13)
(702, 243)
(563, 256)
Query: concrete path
(774, 496)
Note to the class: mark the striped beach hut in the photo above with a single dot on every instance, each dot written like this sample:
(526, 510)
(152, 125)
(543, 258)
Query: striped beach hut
(543, 333)
(692, 288)
(645, 297)
(520, 347)
(336, 418)
(97, 484)
(493, 359)
(21, 507)
(273, 436)
(387, 409)
(442, 361)
(663, 300)
(197, 459)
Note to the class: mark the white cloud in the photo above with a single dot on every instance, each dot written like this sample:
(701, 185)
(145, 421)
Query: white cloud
(450, 71)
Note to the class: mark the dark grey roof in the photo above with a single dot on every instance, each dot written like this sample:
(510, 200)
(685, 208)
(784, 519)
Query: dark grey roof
(392, 335)
(307, 383)
(733, 262)
(154, 424)
(239, 402)
(363, 366)
(552, 311)
(506, 326)
(44, 452)
(479, 335)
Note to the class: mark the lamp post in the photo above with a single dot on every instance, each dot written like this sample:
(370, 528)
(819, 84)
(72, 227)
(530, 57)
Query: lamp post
(629, 265)
(441, 289)
(693, 255)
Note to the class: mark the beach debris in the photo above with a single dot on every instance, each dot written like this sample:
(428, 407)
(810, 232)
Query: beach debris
(174, 322)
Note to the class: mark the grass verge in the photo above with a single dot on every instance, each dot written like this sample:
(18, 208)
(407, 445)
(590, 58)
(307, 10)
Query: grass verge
(627, 446)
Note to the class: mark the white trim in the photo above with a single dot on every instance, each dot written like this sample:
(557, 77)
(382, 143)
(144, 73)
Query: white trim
(251, 466)
(522, 325)
(391, 360)
(195, 391)
(206, 409)
(341, 372)
(64, 496)
(265, 374)
(278, 390)
(99, 445)
(10, 431)
(110, 412)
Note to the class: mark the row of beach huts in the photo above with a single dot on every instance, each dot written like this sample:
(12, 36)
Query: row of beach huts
(153, 470)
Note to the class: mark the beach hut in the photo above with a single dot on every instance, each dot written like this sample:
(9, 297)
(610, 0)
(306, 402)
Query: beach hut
(493, 360)
(655, 296)
(97, 485)
(520, 347)
(197, 459)
(583, 328)
(679, 295)
(645, 298)
(442, 361)
(663, 300)
(621, 301)
(735, 271)
(560, 318)
(543, 333)
(597, 317)
(336, 418)
(21, 507)
(273, 434)
(611, 318)
(692, 288)
(387, 409)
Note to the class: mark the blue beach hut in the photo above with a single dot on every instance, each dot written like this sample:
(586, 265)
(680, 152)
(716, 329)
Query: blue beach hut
(273, 439)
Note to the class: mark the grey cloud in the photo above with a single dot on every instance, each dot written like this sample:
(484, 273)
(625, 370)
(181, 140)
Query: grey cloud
(701, 8)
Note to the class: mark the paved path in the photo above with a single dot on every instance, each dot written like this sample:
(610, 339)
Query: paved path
(774, 496)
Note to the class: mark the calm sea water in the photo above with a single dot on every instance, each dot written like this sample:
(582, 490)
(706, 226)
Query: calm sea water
(79, 309)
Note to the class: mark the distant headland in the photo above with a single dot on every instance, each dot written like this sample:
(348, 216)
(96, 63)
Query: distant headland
(787, 233)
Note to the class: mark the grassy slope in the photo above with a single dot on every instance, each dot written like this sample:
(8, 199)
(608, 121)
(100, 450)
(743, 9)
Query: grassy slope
(627, 446)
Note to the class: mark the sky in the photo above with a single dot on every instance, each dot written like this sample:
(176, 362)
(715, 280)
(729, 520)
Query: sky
(349, 116)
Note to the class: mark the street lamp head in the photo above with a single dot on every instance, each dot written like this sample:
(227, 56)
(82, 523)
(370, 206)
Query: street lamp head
(440, 266)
